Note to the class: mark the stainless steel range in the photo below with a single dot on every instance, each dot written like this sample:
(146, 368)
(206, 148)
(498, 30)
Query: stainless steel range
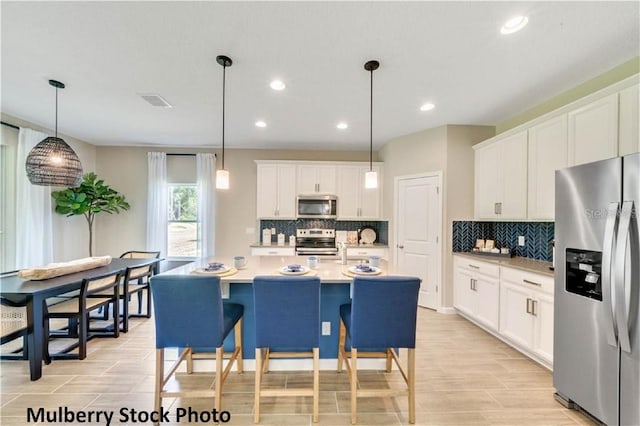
(318, 242)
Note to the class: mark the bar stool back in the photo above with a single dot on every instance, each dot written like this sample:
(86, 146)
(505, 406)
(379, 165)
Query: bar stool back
(287, 313)
(381, 315)
(190, 313)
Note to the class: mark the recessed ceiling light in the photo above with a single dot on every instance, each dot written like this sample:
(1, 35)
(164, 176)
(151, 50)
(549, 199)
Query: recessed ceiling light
(261, 123)
(342, 125)
(277, 85)
(514, 24)
(427, 107)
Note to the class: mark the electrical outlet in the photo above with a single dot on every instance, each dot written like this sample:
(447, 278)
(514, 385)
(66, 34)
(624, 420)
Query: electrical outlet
(250, 231)
(273, 231)
(521, 240)
(326, 328)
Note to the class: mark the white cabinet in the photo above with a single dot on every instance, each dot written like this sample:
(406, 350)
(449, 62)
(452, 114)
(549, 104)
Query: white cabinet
(354, 200)
(629, 137)
(316, 179)
(363, 252)
(273, 251)
(501, 178)
(547, 153)
(276, 189)
(593, 131)
(526, 312)
(477, 291)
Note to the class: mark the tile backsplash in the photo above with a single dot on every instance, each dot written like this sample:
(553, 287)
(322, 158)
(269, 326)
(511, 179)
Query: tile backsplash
(538, 237)
(288, 227)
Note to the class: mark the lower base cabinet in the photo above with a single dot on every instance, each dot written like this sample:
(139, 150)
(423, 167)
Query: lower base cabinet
(477, 292)
(514, 305)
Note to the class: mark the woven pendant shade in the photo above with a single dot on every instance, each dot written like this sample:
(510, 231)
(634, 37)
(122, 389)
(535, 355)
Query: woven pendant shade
(53, 162)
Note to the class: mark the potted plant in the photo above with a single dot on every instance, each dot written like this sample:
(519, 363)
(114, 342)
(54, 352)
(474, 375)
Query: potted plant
(88, 199)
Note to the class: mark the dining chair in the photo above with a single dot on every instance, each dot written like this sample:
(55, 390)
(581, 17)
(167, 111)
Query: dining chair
(380, 319)
(13, 322)
(190, 314)
(95, 292)
(287, 316)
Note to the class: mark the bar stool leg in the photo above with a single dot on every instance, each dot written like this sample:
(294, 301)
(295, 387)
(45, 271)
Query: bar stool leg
(237, 336)
(159, 379)
(341, 342)
(389, 360)
(258, 380)
(219, 379)
(354, 385)
(412, 384)
(316, 384)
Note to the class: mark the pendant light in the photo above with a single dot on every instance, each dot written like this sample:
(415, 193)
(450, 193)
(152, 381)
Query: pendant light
(371, 177)
(222, 175)
(52, 162)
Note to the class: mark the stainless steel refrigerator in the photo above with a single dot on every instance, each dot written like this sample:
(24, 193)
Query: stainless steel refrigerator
(596, 357)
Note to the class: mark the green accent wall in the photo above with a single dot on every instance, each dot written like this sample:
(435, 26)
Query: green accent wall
(614, 75)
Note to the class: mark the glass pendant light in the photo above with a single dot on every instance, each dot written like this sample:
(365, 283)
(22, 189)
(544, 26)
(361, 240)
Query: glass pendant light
(371, 177)
(52, 162)
(222, 175)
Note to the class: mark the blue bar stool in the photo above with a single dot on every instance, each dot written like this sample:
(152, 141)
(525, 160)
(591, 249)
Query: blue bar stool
(381, 315)
(287, 313)
(190, 313)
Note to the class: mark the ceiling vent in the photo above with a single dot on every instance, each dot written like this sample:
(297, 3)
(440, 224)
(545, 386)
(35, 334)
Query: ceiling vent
(155, 100)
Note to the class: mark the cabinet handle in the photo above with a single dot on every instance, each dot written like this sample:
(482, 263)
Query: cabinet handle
(528, 305)
(400, 246)
(471, 283)
(534, 308)
(362, 252)
(474, 266)
(532, 283)
(273, 252)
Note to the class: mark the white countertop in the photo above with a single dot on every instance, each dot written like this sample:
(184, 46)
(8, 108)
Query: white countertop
(526, 264)
(329, 270)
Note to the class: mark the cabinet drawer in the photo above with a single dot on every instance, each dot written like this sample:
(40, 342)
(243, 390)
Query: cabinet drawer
(473, 265)
(273, 251)
(527, 279)
(364, 252)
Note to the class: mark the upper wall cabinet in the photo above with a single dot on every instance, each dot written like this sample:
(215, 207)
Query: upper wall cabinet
(547, 153)
(280, 182)
(501, 179)
(355, 202)
(593, 131)
(316, 179)
(276, 191)
(629, 137)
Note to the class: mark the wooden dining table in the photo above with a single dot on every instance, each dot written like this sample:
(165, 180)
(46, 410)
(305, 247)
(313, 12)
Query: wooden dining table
(33, 294)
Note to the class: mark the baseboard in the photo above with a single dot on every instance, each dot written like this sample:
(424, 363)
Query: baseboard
(447, 310)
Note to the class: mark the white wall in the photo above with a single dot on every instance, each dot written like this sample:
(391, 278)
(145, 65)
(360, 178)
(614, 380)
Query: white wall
(125, 169)
(446, 149)
(70, 234)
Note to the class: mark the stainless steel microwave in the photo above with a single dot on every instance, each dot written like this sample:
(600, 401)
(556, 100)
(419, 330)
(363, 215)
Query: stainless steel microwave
(317, 207)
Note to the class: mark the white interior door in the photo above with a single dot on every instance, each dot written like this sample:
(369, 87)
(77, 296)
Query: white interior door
(418, 227)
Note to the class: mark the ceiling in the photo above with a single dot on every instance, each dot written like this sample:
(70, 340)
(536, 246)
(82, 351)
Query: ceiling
(448, 53)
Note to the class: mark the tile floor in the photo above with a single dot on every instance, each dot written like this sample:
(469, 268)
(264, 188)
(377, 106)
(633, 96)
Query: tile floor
(464, 377)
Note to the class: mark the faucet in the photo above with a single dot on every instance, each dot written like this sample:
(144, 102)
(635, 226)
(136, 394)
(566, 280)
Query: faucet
(342, 246)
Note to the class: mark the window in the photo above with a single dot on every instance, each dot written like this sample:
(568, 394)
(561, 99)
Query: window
(182, 235)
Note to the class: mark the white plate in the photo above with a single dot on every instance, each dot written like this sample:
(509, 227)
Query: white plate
(368, 236)
(374, 270)
(285, 271)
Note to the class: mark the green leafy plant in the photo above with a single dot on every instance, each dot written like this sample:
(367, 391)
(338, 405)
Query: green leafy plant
(88, 199)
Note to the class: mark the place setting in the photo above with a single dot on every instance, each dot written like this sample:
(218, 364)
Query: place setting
(295, 269)
(216, 268)
(371, 268)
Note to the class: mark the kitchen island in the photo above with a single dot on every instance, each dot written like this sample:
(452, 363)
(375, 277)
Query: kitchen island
(335, 291)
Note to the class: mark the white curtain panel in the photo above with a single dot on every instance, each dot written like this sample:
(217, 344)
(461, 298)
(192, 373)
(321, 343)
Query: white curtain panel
(157, 203)
(34, 209)
(206, 176)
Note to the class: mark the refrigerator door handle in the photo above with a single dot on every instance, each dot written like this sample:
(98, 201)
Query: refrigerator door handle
(621, 278)
(608, 244)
